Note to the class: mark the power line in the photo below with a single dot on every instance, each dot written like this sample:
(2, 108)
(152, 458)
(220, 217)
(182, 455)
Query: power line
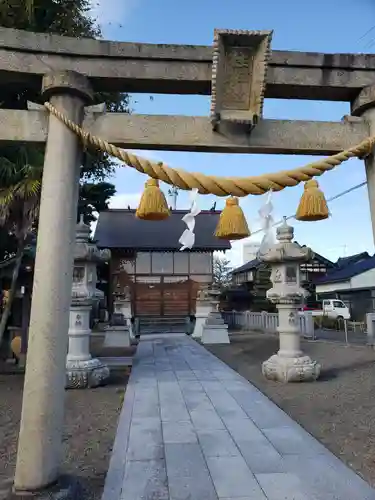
(367, 33)
(343, 193)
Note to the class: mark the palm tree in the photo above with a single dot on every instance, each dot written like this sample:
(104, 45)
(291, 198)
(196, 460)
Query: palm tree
(20, 187)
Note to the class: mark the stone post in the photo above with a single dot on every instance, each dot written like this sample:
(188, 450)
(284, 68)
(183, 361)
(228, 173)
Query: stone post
(40, 436)
(289, 364)
(364, 105)
(214, 330)
(81, 369)
(122, 334)
(370, 327)
(202, 311)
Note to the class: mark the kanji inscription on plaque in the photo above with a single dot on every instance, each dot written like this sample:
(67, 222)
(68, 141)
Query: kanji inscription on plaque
(237, 73)
(239, 67)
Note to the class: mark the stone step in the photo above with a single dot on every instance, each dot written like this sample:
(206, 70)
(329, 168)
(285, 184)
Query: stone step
(117, 362)
(162, 319)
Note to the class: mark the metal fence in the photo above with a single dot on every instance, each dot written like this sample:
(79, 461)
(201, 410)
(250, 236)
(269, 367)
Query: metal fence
(265, 322)
(350, 332)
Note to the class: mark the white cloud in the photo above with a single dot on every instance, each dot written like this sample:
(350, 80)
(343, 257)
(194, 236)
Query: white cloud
(111, 11)
(124, 200)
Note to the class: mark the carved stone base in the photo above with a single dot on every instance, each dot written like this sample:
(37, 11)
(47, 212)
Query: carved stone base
(215, 335)
(198, 327)
(300, 369)
(86, 374)
(215, 331)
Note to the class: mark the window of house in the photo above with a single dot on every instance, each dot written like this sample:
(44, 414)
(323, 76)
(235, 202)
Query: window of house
(149, 279)
(250, 276)
(162, 262)
(200, 263)
(143, 263)
(181, 263)
(202, 278)
(175, 279)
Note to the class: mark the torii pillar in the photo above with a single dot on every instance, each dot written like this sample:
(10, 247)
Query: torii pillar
(364, 106)
(40, 438)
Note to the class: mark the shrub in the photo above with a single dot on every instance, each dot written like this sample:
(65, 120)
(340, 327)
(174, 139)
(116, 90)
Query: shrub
(328, 323)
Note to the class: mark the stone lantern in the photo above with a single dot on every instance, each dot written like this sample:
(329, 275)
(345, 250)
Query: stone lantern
(202, 310)
(120, 333)
(209, 327)
(285, 257)
(81, 369)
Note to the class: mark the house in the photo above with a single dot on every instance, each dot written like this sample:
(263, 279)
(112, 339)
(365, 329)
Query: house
(254, 277)
(146, 257)
(352, 281)
(253, 280)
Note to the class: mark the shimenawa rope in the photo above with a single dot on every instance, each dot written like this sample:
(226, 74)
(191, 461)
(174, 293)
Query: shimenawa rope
(210, 184)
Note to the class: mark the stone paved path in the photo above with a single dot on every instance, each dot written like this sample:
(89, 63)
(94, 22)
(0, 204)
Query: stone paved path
(193, 429)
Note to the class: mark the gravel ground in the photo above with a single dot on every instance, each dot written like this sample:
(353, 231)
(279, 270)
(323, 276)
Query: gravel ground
(338, 409)
(90, 426)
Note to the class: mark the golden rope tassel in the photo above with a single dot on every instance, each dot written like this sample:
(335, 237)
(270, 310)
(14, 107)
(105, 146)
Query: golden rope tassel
(313, 205)
(153, 204)
(232, 223)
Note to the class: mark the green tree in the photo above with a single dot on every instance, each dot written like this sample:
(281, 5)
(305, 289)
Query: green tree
(20, 181)
(94, 198)
(222, 270)
(63, 17)
(20, 167)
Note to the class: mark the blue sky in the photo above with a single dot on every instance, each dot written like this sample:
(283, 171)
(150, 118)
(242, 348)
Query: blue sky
(319, 26)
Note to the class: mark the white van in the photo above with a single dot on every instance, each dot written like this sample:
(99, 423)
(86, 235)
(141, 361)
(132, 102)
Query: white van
(332, 308)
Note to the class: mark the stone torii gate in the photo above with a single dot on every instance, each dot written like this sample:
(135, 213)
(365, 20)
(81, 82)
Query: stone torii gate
(240, 70)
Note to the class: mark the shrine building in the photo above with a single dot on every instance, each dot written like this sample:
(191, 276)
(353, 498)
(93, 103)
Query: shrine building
(146, 257)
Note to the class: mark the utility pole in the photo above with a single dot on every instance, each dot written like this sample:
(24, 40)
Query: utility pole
(173, 193)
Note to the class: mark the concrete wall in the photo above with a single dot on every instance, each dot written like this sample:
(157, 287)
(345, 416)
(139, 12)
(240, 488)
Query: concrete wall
(364, 280)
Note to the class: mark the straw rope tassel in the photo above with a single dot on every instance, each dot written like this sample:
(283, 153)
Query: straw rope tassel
(153, 204)
(313, 205)
(232, 224)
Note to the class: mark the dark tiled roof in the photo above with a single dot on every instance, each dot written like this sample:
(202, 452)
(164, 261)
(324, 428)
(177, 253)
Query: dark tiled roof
(121, 229)
(252, 264)
(345, 261)
(323, 260)
(345, 272)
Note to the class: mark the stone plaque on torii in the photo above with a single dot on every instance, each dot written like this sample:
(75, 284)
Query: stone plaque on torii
(239, 67)
(126, 67)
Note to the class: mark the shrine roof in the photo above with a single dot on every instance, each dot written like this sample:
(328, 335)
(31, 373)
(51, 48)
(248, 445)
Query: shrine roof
(119, 228)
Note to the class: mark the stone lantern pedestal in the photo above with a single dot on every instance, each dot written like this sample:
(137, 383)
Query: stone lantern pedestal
(289, 364)
(81, 369)
(214, 330)
(121, 334)
(202, 311)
